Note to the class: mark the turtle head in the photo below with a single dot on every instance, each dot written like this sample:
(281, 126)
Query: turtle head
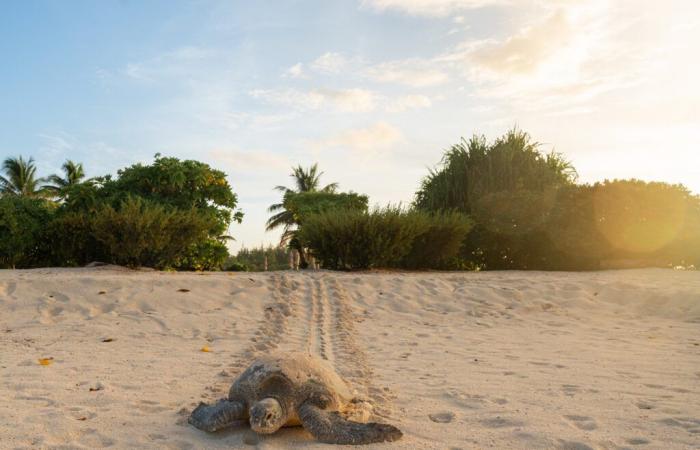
(267, 416)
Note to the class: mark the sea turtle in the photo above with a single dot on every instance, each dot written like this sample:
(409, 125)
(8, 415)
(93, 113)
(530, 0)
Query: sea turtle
(292, 389)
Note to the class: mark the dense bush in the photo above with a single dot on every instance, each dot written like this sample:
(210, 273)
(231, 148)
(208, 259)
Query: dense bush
(389, 237)
(73, 239)
(649, 222)
(205, 254)
(507, 187)
(583, 227)
(22, 224)
(304, 204)
(145, 233)
(438, 246)
(170, 213)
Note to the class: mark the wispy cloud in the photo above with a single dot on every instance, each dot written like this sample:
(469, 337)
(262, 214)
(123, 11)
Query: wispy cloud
(429, 8)
(410, 72)
(237, 161)
(295, 71)
(341, 100)
(408, 102)
(380, 136)
(179, 62)
(329, 63)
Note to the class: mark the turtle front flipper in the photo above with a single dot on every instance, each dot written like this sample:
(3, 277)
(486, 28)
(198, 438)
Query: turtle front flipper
(217, 416)
(331, 428)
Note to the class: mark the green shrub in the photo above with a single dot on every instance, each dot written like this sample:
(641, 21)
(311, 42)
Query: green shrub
(388, 237)
(73, 240)
(650, 222)
(236, 266)
(140, 233)
(209, 254)
(438, 247)
(22, 223)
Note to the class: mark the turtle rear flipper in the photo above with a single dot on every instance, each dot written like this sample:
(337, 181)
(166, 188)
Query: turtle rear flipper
(220, 415)
(331, 428)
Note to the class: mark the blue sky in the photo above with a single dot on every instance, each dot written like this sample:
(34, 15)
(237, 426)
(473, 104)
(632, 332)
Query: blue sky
(373, 90)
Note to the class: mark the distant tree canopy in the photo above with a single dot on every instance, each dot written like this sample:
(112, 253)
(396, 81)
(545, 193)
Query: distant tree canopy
(170, 213)
(530, 214)
(253, 259)
(303, 204)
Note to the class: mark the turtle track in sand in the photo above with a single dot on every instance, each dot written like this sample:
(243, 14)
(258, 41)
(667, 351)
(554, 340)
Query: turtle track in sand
(310, 312)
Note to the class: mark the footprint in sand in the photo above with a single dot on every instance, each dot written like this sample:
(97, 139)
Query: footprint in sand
(690, 424)
(582, 422)
(501, 422)
(570, 389)
(644, 405)
(442, 417)
(637, 441)
(573, 445)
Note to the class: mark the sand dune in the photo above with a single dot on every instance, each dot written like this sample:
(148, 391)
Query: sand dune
(602, 360)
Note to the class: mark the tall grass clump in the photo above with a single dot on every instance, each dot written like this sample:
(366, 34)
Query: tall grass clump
(382, 238)
(504, 186)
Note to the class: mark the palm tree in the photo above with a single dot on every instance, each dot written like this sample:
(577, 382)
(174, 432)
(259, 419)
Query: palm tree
(20, 177)
(306, 180)
(74, 174)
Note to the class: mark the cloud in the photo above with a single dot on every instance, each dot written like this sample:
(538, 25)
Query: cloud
(239, 161)
(410, 72)
(528, 49)
(341, 100)
(575, 53)
(379, 136)
(295, 71)
(329, 63)
(175, 63)
(429, 8)
(408, 102)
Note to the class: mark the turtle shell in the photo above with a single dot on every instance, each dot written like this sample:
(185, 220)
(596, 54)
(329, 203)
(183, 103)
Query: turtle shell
(291, 378)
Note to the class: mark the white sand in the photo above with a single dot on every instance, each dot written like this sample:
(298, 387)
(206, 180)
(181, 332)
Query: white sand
(602, 360)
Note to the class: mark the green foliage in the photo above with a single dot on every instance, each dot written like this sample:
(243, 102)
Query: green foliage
(73, 239)
(235, 266)
(438, 247)
(253, 259)
(581, 227)
(209, 254)
(473, 169)
(22, 221)
(390, 237)
(20, 178)
(182, 185)
(74, 173)
(509, 230)
(140, 233)
(304, 204)
(632, 219)
(305, 181)
(170, 213)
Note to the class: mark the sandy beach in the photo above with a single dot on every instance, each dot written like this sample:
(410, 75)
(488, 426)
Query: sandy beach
(597, 360)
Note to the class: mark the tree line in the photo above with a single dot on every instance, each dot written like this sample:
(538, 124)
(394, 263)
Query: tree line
(168, 214)
(495, 205)
(502, 204)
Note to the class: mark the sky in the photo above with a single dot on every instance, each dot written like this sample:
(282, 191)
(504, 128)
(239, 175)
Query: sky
(372, 90)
